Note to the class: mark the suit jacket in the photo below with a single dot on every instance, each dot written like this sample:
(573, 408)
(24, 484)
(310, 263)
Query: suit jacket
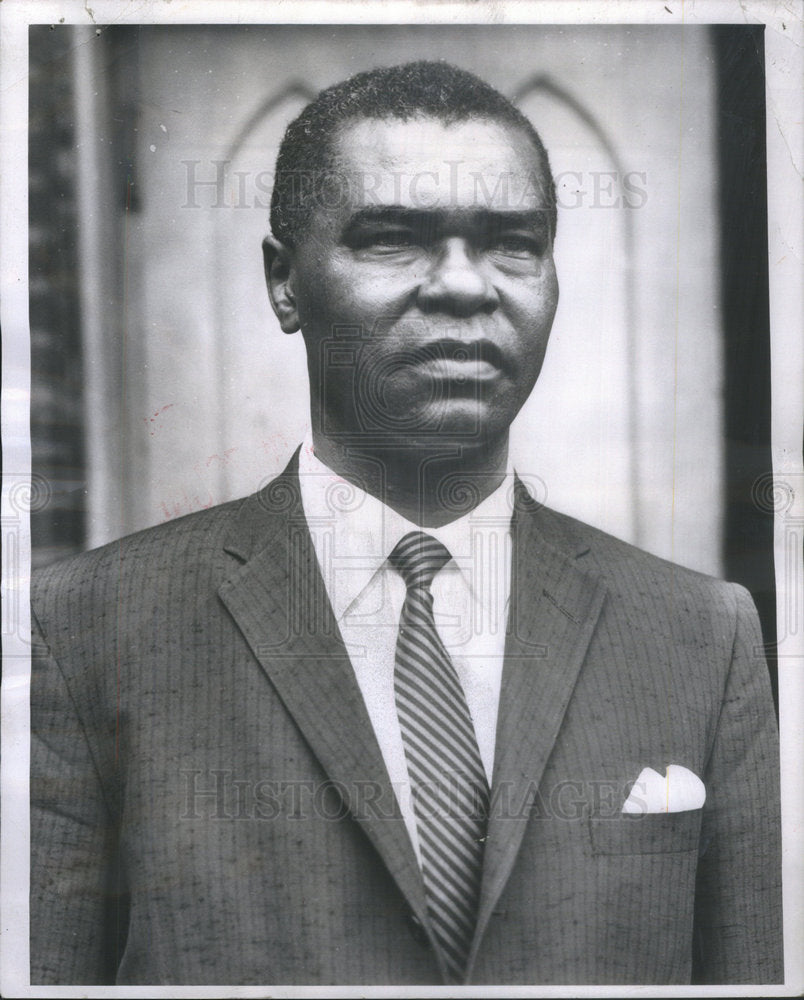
(210, 805)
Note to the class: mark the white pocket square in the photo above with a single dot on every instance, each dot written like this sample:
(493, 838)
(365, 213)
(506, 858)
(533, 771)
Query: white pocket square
(678, 791)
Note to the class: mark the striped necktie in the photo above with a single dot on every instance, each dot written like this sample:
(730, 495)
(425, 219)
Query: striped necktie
(448, 782)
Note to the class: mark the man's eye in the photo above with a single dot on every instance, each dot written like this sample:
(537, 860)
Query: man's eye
(394, 238)
(517, 244)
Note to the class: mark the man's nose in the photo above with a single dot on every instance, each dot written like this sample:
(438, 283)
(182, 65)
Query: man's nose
(455, 282)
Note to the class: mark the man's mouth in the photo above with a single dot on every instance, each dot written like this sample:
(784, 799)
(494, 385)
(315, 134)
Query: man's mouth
(458, 361)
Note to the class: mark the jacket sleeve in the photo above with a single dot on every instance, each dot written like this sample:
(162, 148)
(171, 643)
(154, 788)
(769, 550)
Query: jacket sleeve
(738, 910)
(75, 910)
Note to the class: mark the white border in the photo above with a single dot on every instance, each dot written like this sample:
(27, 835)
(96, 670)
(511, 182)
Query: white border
(784, 45)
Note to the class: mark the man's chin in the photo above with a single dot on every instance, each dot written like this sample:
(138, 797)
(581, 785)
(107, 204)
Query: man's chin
(454, 425)
(457, 426)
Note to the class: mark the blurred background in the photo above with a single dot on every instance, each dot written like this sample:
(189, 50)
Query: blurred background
(161, 383)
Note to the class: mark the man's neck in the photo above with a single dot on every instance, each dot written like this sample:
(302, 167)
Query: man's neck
(430, 486)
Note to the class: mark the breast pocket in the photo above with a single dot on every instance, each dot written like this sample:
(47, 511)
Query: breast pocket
(652, 833)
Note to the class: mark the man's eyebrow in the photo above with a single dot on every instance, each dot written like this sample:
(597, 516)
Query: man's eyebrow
(403, 215)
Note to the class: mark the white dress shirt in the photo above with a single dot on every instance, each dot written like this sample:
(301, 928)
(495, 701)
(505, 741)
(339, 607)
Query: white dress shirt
(353, 534)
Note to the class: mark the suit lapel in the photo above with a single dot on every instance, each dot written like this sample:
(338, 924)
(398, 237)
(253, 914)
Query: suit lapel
(278, 600)
(554, 609)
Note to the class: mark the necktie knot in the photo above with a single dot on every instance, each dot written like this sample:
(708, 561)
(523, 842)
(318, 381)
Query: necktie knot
(417, 557)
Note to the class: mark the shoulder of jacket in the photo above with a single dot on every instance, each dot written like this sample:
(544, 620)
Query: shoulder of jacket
(613, 558)
(191, 536)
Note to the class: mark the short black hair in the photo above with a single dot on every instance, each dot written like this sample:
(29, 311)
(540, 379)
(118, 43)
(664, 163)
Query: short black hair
(421, 89)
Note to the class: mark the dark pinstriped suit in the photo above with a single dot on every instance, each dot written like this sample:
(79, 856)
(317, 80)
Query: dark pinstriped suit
(197, 726)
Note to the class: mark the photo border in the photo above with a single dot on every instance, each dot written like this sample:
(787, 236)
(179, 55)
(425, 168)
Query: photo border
(784, 41)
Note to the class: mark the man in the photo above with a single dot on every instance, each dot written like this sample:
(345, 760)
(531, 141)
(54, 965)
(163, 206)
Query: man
(389, 720)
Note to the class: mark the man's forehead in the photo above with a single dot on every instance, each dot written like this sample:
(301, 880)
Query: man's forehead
(424, 163)
(436, 219)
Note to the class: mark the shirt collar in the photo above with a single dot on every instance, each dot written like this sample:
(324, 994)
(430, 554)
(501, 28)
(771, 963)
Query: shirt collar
(353, 532)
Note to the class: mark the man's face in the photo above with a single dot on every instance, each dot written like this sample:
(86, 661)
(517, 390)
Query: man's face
(424, 284)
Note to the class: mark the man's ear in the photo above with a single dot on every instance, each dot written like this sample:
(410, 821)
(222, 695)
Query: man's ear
(277, 258)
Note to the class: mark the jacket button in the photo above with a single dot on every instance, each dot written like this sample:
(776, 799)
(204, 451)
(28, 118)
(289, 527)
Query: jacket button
(417, 931)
